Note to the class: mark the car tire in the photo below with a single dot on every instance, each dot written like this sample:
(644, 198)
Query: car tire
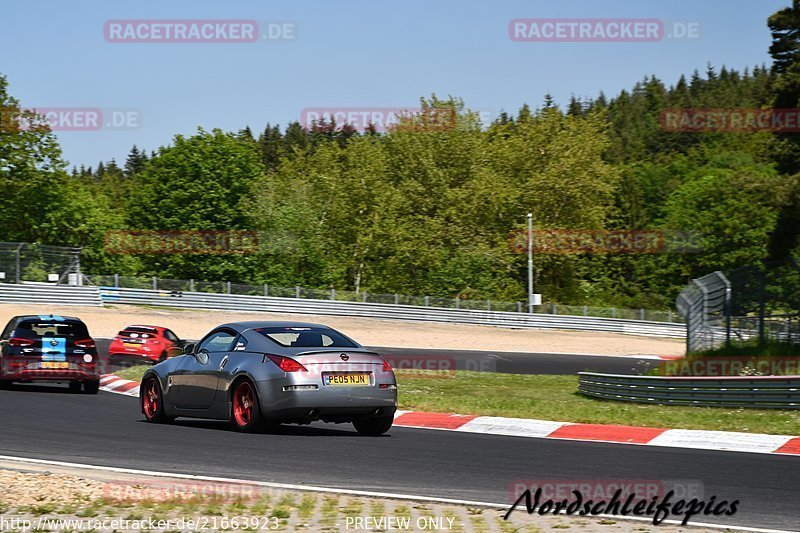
(75, 386)
(152, 401)
(90, 387)
(5, 384)
(373, 425)
(245, 413)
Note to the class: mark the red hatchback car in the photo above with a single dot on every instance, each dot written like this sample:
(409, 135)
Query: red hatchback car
(143, 343)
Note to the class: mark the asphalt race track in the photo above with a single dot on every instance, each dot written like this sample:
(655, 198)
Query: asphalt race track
(48, 422)
(503, 362)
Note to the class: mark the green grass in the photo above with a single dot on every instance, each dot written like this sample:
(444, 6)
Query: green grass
(753, 349)
(133, 373)
(555, 398)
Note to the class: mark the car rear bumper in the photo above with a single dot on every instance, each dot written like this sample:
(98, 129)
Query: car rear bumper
(51, 375)
(134, 357)
(323, 402)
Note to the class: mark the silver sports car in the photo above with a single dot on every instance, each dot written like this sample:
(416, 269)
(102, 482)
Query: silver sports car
(258, 374)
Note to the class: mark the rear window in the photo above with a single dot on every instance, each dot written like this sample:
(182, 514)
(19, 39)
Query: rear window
(33, 328)
(304, 337)
(138, 333)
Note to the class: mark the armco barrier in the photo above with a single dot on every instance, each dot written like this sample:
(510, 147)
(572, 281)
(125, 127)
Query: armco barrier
(233, 302)
(43, 293)
(775, 392)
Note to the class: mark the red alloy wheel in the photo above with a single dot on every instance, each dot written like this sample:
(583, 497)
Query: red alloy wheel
(243, 404)
(150, 399)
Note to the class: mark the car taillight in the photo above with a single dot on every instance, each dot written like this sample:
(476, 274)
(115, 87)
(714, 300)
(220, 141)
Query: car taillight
(286, 364)
(84, 343)
(386, 366)
(20, 341)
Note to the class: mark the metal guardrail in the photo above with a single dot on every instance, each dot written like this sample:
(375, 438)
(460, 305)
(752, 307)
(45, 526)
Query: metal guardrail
(51, 294)
(763, 392)
(363, 296)
(236, 302)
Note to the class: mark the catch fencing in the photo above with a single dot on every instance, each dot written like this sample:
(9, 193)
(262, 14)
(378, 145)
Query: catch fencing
(763, 392)
(704, 303)
(39, 263)
(758, 304)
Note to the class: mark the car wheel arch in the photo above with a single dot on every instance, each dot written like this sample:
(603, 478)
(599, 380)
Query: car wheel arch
(238, 378)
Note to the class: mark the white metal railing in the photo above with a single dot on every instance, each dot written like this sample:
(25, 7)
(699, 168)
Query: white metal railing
(239, 302)
(50, 294)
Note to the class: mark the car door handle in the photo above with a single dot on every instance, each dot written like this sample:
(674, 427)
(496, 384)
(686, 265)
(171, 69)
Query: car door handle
(223, 363)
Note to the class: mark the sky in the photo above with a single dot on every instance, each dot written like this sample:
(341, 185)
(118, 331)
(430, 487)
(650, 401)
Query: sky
(339, 54)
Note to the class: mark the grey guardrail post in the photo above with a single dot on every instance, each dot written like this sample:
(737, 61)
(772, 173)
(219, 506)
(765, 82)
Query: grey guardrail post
(762, 392)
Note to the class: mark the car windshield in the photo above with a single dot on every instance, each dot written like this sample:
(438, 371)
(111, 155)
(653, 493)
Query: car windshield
(52, 329)
(306, 337)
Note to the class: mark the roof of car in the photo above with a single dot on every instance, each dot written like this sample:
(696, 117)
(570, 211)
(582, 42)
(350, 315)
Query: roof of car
(252, 324)
(46, 317)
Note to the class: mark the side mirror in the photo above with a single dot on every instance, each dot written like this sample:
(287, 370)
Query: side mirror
(175, 351)
(201, 356)
(188, 348)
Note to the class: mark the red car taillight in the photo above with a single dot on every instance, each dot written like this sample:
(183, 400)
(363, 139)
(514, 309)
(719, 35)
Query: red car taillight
(20, 342)
(84, 343)
(286, 364)
(386, 366)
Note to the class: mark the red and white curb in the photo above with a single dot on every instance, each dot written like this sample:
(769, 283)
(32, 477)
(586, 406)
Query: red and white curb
(674, 438)
(112, 383)
(546, 429)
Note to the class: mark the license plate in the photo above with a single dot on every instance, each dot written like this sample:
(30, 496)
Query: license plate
(347, 380)
(131, 344)
(54, 365)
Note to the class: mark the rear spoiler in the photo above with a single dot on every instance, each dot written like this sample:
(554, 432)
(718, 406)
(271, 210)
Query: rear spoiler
(334, 351)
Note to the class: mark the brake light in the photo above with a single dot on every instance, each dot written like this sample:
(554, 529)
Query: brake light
(85, 343)
(20, 342)
(286, 364)
(386, 366)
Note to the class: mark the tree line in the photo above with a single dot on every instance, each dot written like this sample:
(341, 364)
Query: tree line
(421, 210)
